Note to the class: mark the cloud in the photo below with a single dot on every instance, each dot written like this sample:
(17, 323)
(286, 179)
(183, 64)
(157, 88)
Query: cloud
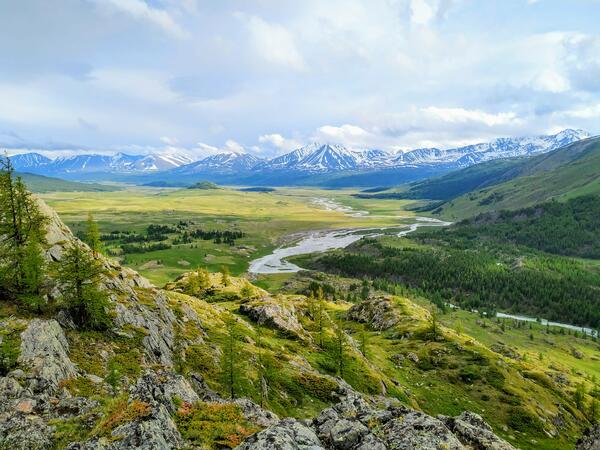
(278, 142)
(140, 10)
(461, 115)
(274, 43)
(233, 146)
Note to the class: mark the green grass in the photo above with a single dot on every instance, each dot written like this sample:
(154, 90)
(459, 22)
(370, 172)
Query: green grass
(41, 184)
(264, 218)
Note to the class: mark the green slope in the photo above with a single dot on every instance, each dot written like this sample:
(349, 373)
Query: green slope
(565, 173)
(42, 184)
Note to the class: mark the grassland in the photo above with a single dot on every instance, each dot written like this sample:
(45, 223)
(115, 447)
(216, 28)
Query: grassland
(265, 218)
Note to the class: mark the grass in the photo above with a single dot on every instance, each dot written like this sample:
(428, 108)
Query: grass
(264, 218)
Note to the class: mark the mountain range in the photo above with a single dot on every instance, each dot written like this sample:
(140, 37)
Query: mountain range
(313, 159)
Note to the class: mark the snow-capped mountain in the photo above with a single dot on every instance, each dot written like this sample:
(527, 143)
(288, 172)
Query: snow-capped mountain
(221, 162)
(314, 158)
(317, 157)
(28, 161)
(497, 149)
(120, 163)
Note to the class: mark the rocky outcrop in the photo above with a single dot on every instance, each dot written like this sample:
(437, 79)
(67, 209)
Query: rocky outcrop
(155, 431)
(157, 322)
(274, 314)
(378, 312)
(353, 424)
(472, 431)
(590, 440)
(164, 388)
(44, 351)
(289, 434)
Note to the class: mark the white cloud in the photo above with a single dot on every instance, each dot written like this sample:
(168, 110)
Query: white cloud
(169, 140)
(278, 141)
(275, 43)
(551, 81)
(461, 115)
(232, 146)
(140, 10)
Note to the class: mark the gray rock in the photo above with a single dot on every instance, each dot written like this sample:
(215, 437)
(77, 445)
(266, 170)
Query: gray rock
(268, 312)
(157, 322)
(163, 388)
(417, 430)
(24, 432)
(255, 414)
(44, 351)
(346, 434)
(473, 432)
(155, 432)
(289, 434)
(590, 440)
(378, 312)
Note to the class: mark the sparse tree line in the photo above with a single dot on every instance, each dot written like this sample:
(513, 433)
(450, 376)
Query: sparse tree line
(157, 238)
(28, 279)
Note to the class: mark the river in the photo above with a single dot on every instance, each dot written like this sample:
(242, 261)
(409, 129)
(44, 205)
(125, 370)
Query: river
(321, 241)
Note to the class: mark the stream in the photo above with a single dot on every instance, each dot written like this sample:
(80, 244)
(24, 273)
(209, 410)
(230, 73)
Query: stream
(321, 241)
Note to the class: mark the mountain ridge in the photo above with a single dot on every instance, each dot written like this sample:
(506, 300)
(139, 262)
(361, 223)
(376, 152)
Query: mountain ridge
(315, 158)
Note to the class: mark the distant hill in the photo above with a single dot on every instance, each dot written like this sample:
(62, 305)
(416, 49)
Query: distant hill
(566, 228)
(41, 184)
(204, 185)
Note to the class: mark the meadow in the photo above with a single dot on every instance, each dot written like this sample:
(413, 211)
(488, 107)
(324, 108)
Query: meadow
(266, 219)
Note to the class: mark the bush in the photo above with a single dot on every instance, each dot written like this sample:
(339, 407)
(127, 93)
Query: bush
(522, 420)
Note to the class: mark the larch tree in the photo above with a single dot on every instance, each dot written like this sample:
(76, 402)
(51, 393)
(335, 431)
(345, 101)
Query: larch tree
(93, 236)
(79, 274)
(22, 233)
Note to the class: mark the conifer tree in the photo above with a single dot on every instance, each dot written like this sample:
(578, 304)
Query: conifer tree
(79, 274)
(340, 341)
(34, 267)
(320, 315)
(363, 342)
(93, 236)
(260, 361)
(20, 222)
(225, 280)
(230, 357)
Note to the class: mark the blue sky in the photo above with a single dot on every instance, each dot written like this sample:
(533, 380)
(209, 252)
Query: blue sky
(266, 76)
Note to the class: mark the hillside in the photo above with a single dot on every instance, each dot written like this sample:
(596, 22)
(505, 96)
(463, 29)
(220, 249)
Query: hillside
(41, 184)
(564, 228)
(211, 359)
(566, 173)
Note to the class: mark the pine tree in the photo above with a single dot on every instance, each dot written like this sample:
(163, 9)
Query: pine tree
(93, 236)
(363, 342)
(434, 322)
(260, 361)
(20, 222)
(79, 274)
(340, 341)
(33, 274)
(230, 357)
(579, 396)
(320, 316)
(225, 281)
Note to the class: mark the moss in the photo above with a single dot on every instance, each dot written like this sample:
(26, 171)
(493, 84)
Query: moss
(539, 377)
(74, 429)
(10, 349)
(83, 387)
(318, 386)
(522, 420)
(118, 412)
(213, 425)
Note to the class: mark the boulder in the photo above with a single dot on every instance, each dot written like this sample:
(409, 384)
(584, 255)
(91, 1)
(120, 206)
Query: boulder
(473, 432)
(289, 434)
(269, 312)
(156, 321)
(417, 430)
(44, 351)
(24, 432)
(164, 388)
(378, 312)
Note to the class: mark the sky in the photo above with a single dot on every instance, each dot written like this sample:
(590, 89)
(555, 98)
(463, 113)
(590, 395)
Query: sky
(267, 76)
